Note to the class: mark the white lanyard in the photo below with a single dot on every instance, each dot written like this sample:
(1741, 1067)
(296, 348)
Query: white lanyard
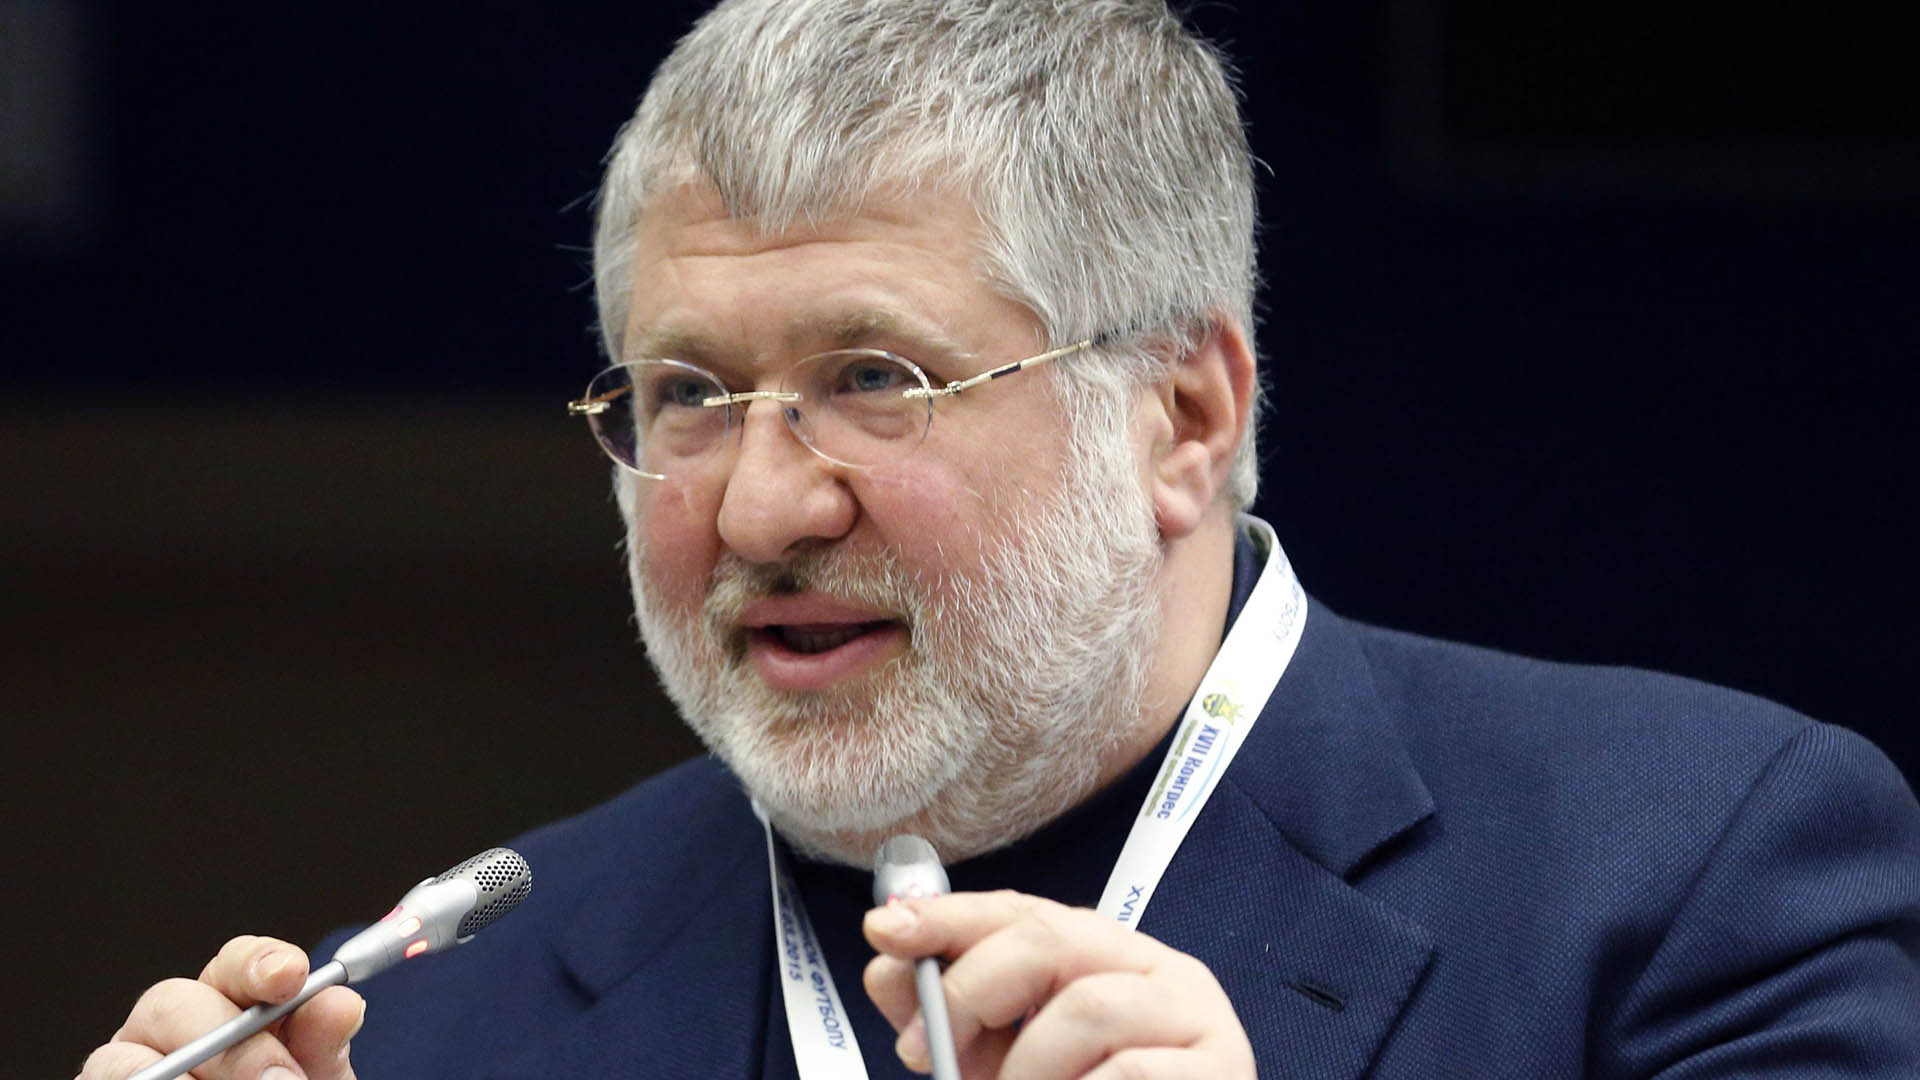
(1235, 688)
(823, 1042)
(1223, 710)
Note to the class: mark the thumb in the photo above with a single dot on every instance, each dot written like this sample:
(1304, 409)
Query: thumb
(320, 1033)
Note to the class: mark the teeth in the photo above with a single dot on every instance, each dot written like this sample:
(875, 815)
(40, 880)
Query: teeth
(817, 641)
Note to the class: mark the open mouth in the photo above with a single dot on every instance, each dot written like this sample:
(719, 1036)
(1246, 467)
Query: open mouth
(807, 642)
(810, 639)
(811, 656)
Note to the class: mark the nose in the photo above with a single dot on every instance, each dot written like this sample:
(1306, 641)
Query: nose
(779, 495)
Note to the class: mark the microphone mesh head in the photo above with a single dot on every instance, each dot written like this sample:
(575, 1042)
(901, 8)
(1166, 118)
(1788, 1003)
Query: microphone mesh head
(503, 879)
(907, 866)
(904, 849)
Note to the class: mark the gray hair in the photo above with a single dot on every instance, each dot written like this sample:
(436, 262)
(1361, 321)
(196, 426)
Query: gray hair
(1099, 142)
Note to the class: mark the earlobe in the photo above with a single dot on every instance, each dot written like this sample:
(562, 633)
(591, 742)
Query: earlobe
(1205, 397)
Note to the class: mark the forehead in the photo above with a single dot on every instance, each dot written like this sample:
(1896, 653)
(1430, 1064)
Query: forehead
(900, 266)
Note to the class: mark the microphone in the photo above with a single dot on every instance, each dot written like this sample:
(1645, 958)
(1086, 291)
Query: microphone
(433, 916)
(907, 866)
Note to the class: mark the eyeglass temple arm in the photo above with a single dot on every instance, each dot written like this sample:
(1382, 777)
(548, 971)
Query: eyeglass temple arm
(1000, 372)
(597, 404)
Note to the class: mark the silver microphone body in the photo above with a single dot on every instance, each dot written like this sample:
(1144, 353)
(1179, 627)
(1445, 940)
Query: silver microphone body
(435, 915)
(906, 867)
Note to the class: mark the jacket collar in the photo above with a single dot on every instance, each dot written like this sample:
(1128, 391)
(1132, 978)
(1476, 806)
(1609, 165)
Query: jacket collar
(1262, 891)
(1325, 763)
(637, 912)
(695, 921)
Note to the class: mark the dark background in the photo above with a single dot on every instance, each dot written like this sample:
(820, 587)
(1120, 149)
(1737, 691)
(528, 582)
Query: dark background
(1588, 330)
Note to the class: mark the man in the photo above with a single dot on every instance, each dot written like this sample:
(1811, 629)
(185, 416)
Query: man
(933, 416)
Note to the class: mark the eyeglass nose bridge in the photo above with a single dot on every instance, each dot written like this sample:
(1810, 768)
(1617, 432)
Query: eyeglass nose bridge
(787, 397)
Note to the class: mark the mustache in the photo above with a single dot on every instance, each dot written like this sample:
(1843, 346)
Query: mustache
(875, 579)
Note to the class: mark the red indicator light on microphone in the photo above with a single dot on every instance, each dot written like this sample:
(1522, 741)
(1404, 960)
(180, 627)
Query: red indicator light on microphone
(417, 948)
(388, 917)
(410, 926)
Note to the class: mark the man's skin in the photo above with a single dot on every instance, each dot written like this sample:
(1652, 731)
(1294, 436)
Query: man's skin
(1035, 989)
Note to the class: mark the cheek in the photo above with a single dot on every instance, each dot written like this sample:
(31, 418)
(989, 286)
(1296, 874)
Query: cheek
(940, 515)
(674, 542)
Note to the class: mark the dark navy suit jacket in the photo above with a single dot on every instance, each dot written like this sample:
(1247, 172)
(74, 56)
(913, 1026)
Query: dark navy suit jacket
(1428, 861)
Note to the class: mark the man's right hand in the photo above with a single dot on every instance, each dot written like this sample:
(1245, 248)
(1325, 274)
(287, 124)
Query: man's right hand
(311, 1041)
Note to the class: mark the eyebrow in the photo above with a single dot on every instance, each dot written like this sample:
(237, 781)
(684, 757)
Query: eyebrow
(851, 329)
(838, 331)
(666, 342)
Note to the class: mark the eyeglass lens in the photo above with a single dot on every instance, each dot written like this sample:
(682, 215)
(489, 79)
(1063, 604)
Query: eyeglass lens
(667, 418)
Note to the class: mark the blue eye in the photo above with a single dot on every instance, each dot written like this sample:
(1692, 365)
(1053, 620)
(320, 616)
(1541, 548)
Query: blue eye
(683, 392)
(871, 376)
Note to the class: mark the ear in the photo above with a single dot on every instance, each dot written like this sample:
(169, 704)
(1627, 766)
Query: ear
(1202, 403)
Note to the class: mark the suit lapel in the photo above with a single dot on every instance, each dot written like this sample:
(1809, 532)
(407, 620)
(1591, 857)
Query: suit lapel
(1317, 970)
(671, 960)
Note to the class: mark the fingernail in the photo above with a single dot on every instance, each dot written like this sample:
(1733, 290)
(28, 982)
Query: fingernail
(893, 919)
(279, 1072)
(269, 965)
(912, 1045)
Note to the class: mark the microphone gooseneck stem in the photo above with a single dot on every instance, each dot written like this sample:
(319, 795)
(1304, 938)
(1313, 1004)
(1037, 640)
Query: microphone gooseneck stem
(933, 1013)
(247, 1023)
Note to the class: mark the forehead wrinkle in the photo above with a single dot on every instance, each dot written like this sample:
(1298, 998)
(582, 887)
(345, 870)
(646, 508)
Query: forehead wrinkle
(853, 328)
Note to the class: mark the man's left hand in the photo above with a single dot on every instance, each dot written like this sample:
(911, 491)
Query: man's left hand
(1037, 989)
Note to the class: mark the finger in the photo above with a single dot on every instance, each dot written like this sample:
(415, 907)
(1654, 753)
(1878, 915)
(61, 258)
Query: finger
(889, 982)
(981, 1057)
(319, 1034)
(1096, 1016)
(247, 1059)
(117, 1061)
(1118, 1024)
(249, 970)
(984, 1056)
(1017, 969)
(945, 926)
(1155, 1063)
(175, 1012)
(1010, 953)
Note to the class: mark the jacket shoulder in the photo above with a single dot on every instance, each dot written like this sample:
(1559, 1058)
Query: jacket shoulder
(1674, 874)
(1464, 707)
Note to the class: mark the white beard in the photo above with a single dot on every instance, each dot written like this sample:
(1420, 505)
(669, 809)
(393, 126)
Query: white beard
(1021, 678)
